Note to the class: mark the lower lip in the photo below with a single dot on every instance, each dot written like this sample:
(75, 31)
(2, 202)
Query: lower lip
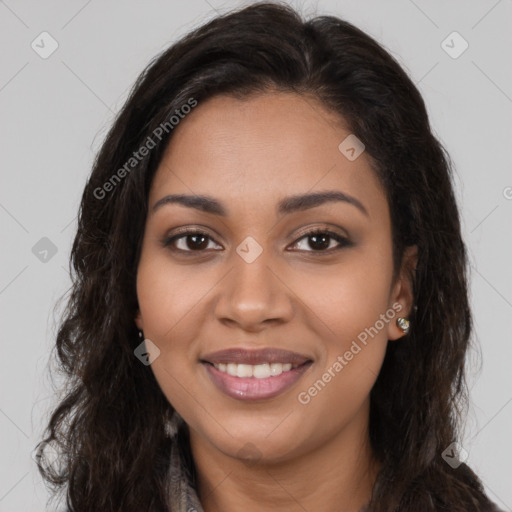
(251, 388)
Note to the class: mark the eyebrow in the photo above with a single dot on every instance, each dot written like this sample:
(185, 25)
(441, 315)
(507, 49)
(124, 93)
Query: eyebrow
(286, 206)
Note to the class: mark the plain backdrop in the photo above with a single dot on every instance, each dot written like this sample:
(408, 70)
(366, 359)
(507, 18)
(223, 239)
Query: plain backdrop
(54, 115)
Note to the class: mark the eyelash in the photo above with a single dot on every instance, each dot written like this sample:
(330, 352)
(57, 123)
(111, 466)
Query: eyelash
(344, 242)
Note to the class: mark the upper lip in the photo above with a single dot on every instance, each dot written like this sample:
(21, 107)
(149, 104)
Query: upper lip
(253, 357)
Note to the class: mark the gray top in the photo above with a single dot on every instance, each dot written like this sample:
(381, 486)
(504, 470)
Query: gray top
(182, 497)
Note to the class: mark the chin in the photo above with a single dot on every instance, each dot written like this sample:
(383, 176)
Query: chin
(253, 445)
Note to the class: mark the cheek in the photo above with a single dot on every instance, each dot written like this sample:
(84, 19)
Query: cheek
(168, 294)
(348, 299)
(352, 357)
(170, 303)
(351, 315)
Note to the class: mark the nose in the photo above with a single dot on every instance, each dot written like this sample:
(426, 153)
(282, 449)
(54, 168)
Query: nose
(254, 295)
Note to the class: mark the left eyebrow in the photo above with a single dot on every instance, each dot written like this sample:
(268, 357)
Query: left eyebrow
(286, 206)
(306, 201)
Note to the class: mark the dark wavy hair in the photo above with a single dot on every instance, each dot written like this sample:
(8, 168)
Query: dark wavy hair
(109, 424)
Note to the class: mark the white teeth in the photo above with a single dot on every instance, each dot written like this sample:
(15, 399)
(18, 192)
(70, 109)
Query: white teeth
(259, 371)
(243, 370)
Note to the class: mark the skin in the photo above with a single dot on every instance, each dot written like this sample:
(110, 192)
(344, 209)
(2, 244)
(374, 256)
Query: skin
(249, 155)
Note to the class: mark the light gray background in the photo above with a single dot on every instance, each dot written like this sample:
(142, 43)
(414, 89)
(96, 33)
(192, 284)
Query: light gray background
(54, 116)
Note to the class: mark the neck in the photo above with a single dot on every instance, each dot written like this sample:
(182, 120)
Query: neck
(337, 475)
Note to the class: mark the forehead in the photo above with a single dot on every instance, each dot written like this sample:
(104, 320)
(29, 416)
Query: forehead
(247, 152)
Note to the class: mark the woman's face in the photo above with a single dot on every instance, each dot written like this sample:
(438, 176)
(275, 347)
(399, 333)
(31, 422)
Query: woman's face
(253, 279)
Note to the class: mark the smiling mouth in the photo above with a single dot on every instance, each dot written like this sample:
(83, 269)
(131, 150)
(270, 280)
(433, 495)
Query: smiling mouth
(258, 371)
(258, 382)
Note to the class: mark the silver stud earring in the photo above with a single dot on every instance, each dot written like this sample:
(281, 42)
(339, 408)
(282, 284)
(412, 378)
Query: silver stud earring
(403, 323)
(141, 335)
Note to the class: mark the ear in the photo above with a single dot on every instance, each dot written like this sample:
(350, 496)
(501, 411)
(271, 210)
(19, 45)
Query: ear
(138, 320)
(402, 294)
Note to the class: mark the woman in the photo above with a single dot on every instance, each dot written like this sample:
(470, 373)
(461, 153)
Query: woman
(269, 307)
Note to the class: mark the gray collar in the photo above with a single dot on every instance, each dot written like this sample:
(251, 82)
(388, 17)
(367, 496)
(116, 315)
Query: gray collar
(181, 495)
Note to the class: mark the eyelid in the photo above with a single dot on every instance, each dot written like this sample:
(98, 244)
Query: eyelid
(322, 228)
(342, 239)
(168, 240)
(298, 237)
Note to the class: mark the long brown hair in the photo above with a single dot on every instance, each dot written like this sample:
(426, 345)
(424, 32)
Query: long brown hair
(109, 426)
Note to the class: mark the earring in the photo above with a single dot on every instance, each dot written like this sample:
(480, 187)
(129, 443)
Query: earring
(403, 323)
(141, 335)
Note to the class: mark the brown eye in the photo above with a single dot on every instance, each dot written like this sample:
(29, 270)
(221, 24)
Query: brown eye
(190, 241)
(321, 239)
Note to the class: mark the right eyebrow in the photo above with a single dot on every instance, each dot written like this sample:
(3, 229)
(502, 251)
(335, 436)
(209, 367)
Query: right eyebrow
(203, 203)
